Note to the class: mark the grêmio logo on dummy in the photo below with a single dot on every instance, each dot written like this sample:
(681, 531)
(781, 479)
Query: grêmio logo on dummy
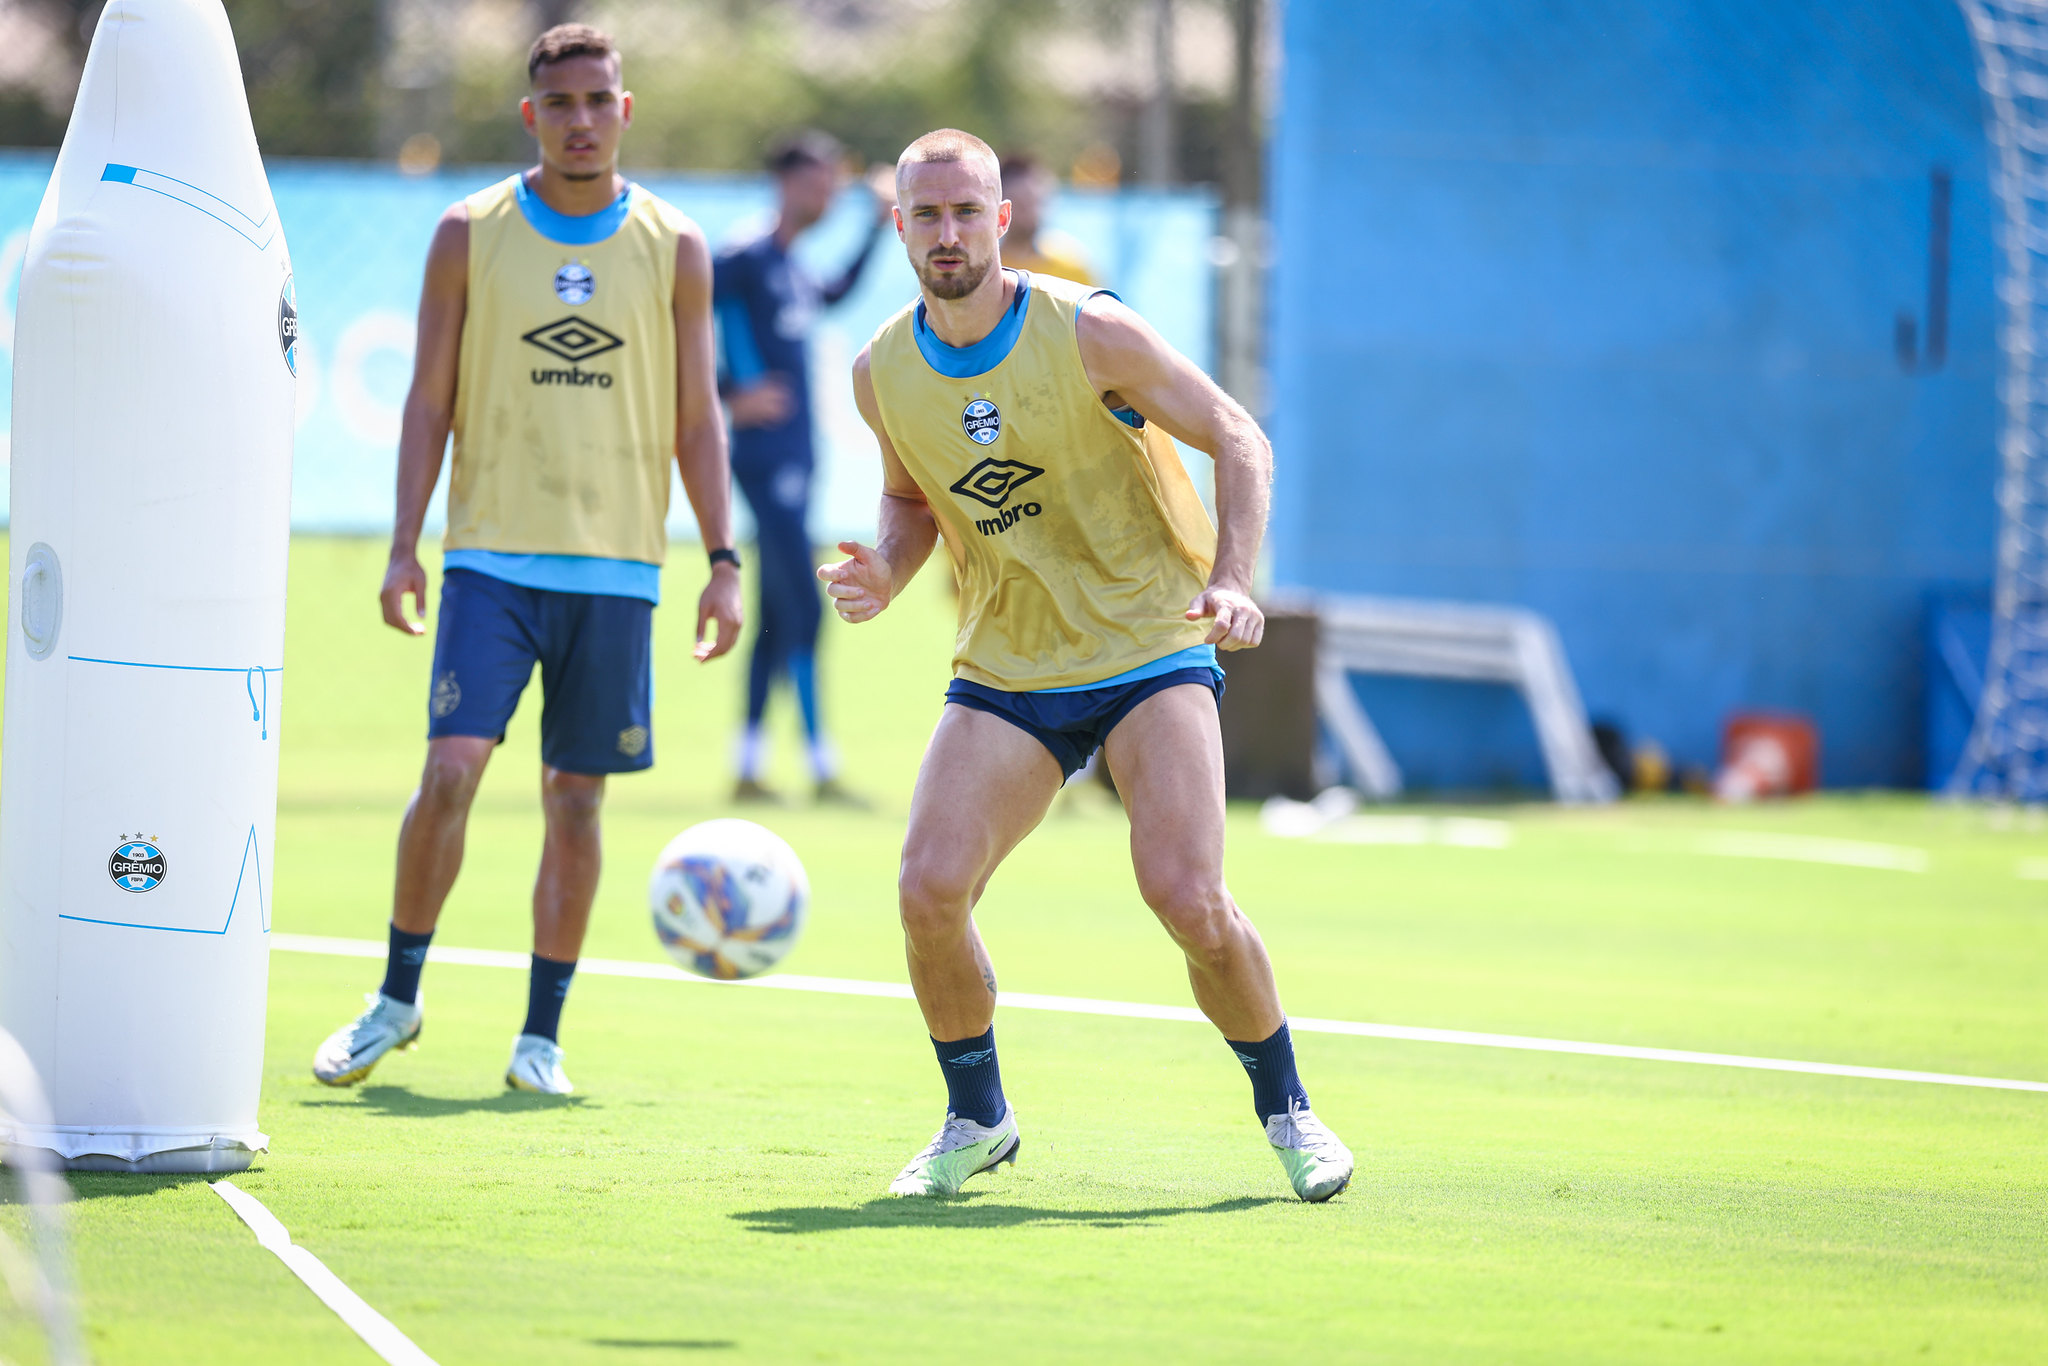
(288, 326)
(574, 340)
(137, 865)
(991, 483)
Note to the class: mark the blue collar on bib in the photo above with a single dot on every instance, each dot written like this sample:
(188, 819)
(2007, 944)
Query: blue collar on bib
(571, 229)
(965, 362)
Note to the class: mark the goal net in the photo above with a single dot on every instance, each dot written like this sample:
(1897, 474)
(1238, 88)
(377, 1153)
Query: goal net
(2007, 754)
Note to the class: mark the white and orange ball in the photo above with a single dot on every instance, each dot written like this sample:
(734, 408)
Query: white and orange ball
(729, 899)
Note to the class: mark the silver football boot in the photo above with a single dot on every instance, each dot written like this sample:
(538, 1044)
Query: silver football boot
(351, 1051)
(1317, 1162)
(961, 1149)
(537, 1066)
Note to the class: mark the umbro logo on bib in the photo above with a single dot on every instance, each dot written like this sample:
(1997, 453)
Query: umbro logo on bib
(573, 339)
(991, 482)
(982, 422)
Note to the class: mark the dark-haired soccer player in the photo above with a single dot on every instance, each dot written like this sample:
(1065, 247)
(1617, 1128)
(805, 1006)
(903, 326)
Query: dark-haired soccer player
(565, 339)
(1025, 420)
(767, 302)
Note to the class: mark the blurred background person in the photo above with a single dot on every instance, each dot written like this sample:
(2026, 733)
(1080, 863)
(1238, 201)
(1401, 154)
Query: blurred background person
(767, 301)
(1029, 244)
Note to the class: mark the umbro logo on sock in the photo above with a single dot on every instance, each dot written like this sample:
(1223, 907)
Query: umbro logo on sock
(974, 1059)
(1247, 1060)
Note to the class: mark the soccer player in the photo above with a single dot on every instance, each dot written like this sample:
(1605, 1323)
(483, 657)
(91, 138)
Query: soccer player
(565, 339)
(1028, 245)
(1025, 420)
(767, 301)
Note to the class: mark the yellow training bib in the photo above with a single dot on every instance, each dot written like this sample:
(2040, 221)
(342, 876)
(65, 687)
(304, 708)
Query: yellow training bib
(1054, 253)
(565, 397)
(1078, 538)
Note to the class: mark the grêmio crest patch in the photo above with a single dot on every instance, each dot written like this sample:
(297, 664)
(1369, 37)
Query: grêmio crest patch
(982, 422)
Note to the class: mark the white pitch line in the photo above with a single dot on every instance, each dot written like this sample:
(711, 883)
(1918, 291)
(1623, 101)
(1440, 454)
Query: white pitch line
(372, 1327)
(1897, 858)
(1133, 1010)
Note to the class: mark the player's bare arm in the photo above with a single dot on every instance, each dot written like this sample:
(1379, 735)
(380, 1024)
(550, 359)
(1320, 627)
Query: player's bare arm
(1130, 364)
(429, 412)
(701, 456)
(866, 582)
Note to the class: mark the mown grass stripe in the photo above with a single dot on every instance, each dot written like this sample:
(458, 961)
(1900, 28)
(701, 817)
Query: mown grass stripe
(1082, 1005)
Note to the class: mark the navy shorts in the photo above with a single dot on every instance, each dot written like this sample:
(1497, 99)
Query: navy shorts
(596, 657)
(1073, 725)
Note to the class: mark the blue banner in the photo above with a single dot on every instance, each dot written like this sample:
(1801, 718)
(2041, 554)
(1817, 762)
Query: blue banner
(359, 232)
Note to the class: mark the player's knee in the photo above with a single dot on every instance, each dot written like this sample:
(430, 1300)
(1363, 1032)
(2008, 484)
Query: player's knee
(1196, 911)
(449, 781)
(933, 898)
(574, 798)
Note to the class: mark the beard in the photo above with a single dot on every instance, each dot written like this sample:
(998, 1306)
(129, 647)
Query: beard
(961, 282)
(587, 175)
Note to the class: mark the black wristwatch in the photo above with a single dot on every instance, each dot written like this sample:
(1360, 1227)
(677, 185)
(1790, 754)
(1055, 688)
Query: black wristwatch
(726, 555)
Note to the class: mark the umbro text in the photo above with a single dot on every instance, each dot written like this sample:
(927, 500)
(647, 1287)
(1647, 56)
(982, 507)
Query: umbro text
(1007, 518)
(574, 376)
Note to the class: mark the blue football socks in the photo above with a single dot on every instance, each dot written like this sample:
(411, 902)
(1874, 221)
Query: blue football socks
(546, 990)
(402, 967)
(1270, 1065)
(974, 1084)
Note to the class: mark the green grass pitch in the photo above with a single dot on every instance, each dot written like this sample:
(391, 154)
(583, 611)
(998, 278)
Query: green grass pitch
(714, 1191)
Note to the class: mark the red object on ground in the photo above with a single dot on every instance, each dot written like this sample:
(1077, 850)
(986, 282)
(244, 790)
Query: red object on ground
(1767, 755)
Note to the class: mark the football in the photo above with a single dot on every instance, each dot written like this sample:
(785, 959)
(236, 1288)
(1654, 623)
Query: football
(729, 899)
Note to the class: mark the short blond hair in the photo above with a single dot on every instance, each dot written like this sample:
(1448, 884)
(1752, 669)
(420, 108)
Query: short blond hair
(950, 144)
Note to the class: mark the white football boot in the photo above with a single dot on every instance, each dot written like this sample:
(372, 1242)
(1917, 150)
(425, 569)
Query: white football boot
(537, 1066)
(351, 1051)
(960, 1150)
(1316, 1160)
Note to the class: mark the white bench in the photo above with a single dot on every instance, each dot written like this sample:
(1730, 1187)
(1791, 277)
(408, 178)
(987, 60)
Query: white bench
(1418, 638)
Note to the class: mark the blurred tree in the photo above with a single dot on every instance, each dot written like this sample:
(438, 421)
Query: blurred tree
(310, 66)
(715, 80)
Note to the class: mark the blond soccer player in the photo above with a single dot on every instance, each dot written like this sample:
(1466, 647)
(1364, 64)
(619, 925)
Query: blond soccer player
(1025, 420)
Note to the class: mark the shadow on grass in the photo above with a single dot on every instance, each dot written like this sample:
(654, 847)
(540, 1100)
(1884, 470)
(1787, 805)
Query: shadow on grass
(101, 1185)
(397, 1100)
(970, 1211)
(667, 1344)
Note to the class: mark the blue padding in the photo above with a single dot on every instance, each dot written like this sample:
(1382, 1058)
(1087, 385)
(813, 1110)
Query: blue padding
(572, 230)
(965, 362)
(563, 573)
(1623, 318)
(1194, 657)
